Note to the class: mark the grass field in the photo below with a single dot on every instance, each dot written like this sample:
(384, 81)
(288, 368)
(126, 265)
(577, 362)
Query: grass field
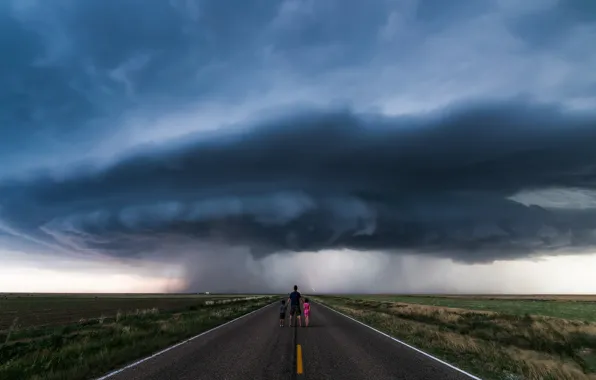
(57, 336)
(493, 337)
(83, 336)
(568, 307)
(26, 310)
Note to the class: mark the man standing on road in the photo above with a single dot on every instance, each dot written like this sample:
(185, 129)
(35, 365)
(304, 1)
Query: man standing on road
(295, 300)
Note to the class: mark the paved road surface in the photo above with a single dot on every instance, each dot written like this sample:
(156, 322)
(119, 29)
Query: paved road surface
(255, 347)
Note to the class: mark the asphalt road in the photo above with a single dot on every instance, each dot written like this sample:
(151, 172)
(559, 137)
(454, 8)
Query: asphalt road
(255, 347)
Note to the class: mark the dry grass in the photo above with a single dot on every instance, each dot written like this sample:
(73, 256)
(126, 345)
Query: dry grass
(537, 297)
(490, 344)
(34, 310)
(93, 346)
(566, 307)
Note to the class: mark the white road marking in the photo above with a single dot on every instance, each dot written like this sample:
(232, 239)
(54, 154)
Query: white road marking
(181, 343)
(405, 344)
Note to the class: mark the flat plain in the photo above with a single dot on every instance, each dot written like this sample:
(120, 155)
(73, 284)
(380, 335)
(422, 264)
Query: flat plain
(577, 307)
(31, 309)
(496, 337)
(82, 336)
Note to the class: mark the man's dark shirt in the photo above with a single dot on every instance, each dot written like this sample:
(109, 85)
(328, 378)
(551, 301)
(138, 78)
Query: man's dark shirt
(295, 297)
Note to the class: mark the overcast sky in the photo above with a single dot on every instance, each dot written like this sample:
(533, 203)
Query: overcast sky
(343, 145)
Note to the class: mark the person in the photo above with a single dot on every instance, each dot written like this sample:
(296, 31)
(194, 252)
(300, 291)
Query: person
(282, 313)
(295, 299)
(306, 311)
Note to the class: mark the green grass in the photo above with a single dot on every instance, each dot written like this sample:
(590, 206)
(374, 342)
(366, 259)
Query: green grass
(578, 310)
(493, 346)
(93, 347)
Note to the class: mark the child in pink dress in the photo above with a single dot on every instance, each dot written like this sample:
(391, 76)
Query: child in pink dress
(306, 311)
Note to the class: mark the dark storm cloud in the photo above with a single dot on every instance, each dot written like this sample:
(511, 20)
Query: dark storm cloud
(73, 72)
(439, 16)
(70, 69)
(438, 184)
(548, 27)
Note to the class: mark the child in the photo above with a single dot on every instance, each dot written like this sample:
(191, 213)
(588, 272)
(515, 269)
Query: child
(306, 311)
(282, 313)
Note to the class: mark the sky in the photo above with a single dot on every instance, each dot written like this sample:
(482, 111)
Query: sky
(341, 145)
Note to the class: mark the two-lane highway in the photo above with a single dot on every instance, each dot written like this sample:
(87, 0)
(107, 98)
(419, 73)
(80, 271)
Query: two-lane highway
(255, 347)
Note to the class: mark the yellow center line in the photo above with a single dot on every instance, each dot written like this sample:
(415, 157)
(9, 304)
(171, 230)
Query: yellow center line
(299, 359)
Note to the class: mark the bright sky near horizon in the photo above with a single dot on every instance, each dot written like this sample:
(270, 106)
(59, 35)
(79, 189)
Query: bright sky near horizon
(328, 272)
(394, 145)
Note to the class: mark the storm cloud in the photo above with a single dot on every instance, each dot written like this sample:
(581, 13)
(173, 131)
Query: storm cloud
(438, 184)
(212, 136)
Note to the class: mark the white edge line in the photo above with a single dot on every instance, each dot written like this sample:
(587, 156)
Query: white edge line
(180, 344)
(405, 344)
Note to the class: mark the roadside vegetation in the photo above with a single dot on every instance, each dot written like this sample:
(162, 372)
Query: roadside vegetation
(493, 345)
(567, 307)
(32, 309)
(92, 347)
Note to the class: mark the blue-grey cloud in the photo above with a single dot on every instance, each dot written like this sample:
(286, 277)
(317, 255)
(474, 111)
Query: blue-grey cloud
(439, 184)
(87, 80)
(552, 21)
(75, 73)
(71, 69)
